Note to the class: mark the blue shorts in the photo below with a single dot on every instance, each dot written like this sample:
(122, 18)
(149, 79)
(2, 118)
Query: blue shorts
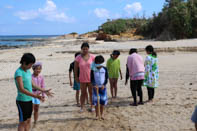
(76, 85)
(194, 115)
(102, 96)
(35, 101)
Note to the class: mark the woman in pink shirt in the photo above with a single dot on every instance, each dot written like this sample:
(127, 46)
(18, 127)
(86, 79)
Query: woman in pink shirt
(83, 63)
(135, 70)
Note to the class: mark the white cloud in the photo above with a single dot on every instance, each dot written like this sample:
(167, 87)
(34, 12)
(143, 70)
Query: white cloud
(101, 13)
(133, 8)
(27, 15)
(91, 2)
(50, 7)
(49, 12)
(9, 7)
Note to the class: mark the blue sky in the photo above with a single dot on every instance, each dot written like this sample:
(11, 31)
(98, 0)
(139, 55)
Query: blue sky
(54, 17)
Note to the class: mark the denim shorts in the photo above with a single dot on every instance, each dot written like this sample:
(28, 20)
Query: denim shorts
(76, 86)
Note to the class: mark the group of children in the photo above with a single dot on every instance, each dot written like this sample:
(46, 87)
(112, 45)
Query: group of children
(140, 73)
(31, 88)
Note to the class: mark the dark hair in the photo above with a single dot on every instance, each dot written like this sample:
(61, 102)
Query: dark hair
(76, 54)
(85, 44)
(150, 49)
(99, 59)
(115, 52)
(132, 50)
(28, 58)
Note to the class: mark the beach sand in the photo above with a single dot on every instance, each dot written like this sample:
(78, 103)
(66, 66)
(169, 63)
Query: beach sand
(171, 109)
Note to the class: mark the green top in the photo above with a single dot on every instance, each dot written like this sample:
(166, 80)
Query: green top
(27, 83)
(113, 67)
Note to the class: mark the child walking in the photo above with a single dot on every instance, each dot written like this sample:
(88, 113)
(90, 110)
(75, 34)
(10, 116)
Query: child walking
(99, 78)
(135, 70)
(113, 67)
(39, 81)
(24, 84)
(151, 71)
(76, 85)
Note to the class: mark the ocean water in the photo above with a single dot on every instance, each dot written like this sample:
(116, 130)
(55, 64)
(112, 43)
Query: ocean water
(23, 39)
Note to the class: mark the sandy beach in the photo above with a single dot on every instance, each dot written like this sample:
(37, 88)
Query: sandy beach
(171, 110)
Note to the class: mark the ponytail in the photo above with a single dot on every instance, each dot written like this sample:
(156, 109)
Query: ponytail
(154, 54)
(150, 49)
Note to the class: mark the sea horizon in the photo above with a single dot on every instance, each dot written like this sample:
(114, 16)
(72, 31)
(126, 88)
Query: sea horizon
(17, 40)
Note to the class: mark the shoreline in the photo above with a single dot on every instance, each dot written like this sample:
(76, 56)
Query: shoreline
(160, 46)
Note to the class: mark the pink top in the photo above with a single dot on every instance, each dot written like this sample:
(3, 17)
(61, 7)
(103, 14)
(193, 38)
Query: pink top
(39, 81)
(85, 68)
(135, 65)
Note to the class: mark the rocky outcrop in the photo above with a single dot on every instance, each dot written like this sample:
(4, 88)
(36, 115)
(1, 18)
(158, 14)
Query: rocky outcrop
(88, 35)
(69, 36)
(130, 35)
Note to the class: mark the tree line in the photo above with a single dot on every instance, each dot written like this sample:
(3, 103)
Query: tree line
(177, 20)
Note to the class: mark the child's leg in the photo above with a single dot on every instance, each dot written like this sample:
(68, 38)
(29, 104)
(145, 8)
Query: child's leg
(139, 90)
(102, 109)
(77, 97)
(21, 126)
(28, 124)
(87, 100)
(96, 108)
(153, 92)
(111, 87)
(133, 87)
(83, 94)
(115, 81)
(149, 93)
(90, 94)
(25, 112)
(36, 110)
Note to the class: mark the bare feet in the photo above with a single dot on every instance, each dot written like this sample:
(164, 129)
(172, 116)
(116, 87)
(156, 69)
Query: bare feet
(97, 118)
(34, 125)
(78, 105)
(102, 118)
(150, 100)
(81, 110)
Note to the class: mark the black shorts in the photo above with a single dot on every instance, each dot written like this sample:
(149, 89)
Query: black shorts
(24, 110)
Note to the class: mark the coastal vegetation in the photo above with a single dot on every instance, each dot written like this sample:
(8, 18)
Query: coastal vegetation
(177, 20)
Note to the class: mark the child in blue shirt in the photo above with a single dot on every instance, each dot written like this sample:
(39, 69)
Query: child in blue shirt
(99, 79)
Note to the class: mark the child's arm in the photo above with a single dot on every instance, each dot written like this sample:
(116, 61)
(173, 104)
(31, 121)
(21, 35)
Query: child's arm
(106, 78)
(120, 74)
(76, 68)
(120, 70)
(127, 75)
(92, 78)
(23, 90)
(107, 65)
(43, 85)
(47, 92)
(70, 78)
